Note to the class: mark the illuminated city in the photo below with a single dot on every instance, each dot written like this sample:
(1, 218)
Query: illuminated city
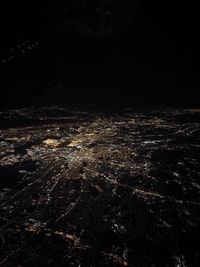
(85, 188)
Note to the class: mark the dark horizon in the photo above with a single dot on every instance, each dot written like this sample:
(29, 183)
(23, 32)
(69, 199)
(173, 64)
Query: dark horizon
(113, 53)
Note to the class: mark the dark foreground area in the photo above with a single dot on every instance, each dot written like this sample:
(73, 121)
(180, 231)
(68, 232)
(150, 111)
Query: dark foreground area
(85, 188)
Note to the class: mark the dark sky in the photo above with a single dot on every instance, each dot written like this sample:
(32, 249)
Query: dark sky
(116, 52)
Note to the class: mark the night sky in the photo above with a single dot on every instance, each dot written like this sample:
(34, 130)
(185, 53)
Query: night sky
(112, 53)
